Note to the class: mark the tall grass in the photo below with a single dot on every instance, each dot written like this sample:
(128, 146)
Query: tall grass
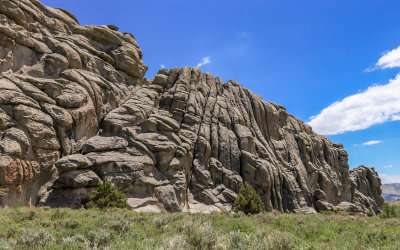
(45, 228)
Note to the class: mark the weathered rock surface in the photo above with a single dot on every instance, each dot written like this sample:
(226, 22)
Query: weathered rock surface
(58, 81)
(73, 162)
(367, 188)
(187, 141)
(75, 109)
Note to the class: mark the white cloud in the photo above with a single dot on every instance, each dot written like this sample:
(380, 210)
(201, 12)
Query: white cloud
(370, 69)
(377, 104)
(369, 143)
(390, 59)
(162, 66)
(388, 166)
(389, 178)
(204, 61)
(395, 117)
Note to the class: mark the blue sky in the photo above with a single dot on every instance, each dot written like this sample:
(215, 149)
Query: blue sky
(328, 62)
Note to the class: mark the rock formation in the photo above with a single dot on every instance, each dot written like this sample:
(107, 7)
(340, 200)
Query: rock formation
(58, 81)
(367, 188)
(75, 109)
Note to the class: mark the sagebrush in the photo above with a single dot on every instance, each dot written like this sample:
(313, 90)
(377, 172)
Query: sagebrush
(114, 228)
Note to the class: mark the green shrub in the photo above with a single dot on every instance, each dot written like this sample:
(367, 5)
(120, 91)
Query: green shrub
(244, 226)
(390, 211)
(281, 240)
(7, 244)
(160, 221)
(58, 214)
(34, 239)
(248, 201)
(200, 235)
(172, 243)
(239, 240)
(99, 238)
(120, 226)
(107, 196)
(75, 242)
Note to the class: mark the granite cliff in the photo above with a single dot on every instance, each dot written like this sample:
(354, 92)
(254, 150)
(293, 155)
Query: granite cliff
(75, 109)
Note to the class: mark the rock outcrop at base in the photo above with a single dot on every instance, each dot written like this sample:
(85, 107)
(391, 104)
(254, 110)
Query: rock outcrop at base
(75, 109)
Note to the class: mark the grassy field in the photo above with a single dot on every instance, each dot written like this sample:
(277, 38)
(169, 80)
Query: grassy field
(45, 228)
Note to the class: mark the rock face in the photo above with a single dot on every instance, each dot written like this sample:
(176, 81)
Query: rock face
(367, 188)
(75, 109)
(187, 141)
(58, 82)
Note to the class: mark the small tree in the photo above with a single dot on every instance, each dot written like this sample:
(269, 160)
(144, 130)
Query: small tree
(248, 201)
(107, 196)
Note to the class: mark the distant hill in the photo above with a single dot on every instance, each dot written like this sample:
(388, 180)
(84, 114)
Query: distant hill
(391, 192)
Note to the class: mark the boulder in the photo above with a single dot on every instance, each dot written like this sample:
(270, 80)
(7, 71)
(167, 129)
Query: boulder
(348, 207)
(73, 162)
(100, 143)
(324, 206)
(77, 179)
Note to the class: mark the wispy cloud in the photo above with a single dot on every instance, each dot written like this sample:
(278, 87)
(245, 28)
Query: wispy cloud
(204, 61)
(388, 166)
(370, 69)
(389, 178)
(369, 143)
(162, 66)
(377, 104)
